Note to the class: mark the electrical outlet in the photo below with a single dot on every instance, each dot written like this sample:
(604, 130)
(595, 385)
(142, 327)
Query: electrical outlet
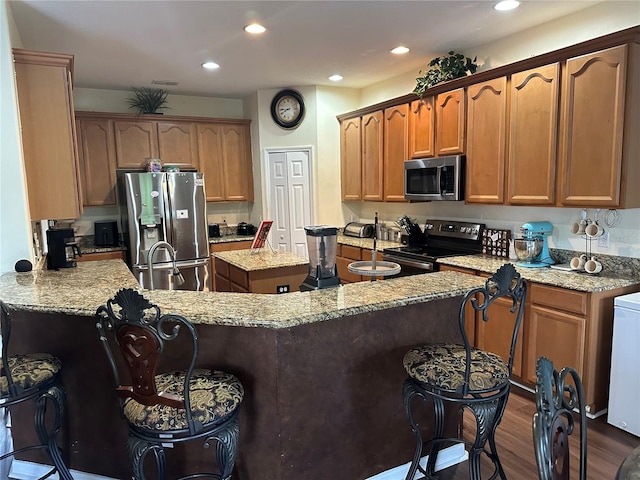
(603, 240)
(282, 289)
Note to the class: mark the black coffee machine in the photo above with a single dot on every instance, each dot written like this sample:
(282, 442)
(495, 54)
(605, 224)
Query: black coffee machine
(62, 248)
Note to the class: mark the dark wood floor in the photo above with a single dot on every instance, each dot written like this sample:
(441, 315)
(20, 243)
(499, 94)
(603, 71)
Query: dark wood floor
(607, 446)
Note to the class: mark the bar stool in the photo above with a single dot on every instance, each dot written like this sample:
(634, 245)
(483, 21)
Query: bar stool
(553, 420)
(37, 377)
(465, 377)
(173, 406)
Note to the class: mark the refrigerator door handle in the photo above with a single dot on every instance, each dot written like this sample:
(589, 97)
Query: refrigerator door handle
(168, 216)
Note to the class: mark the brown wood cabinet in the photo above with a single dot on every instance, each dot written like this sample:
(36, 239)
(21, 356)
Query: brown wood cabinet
(533, 136)
(599, 148)
(372, 156)
(223, 247)
(422, 128)
(96, 150)
(218, 147)
(396, 151)
(225, 159)
(136, 141)
(450, 122)
(177, 144)
(230, 278)
(49, 146)
(486, 141)
(348, 254)
(351, 159)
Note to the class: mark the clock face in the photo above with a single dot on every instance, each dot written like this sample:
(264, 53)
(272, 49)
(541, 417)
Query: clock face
(287, 108)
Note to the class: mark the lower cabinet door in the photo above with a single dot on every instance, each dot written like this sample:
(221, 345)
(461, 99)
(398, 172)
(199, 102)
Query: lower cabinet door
(559, 336)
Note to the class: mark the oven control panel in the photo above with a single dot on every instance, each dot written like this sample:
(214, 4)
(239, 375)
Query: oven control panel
(451, 229)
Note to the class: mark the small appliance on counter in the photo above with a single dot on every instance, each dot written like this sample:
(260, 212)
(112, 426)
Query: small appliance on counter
(106, 234)
(322, 242)
(214, 230)
(245, 228)
(62, 248)
(359, 230)
(532, 249)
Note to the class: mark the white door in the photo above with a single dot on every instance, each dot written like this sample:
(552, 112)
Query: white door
(289, 198)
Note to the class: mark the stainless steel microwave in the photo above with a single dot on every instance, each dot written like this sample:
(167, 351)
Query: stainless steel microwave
(440, 178)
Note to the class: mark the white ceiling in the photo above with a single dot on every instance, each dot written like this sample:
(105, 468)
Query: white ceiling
(119, 44)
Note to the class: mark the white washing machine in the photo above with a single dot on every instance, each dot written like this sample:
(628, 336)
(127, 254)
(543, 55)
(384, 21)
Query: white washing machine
(624, 388)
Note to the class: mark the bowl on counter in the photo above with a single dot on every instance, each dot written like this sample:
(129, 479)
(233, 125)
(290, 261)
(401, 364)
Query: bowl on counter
(528, 249)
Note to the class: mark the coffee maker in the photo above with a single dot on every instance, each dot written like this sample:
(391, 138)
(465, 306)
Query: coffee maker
(62, 248)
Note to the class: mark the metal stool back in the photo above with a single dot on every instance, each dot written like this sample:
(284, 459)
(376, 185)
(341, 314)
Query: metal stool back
(553, 421)
(37, 377)
(164, 406)
(471, 379)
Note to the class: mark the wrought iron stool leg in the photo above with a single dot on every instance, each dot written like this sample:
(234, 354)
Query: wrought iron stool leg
(486, 418)
(48, 438)
(138, 450)
(438, 431)
(408, 392)
(226, 448)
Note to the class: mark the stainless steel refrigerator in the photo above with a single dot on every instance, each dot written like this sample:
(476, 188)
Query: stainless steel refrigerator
(166, 207)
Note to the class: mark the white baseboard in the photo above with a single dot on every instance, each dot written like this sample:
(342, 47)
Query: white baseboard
(22, 470)
(447, 457)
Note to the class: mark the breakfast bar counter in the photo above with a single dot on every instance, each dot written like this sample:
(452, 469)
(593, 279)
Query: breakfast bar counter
(322, 370)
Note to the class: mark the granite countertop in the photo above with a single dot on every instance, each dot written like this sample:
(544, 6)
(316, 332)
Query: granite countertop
(81, 290)
(263, 259)
(579, 281)
(231, 238)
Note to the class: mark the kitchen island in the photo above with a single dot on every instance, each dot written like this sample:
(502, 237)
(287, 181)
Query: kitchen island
(322, 370)
(262, 271)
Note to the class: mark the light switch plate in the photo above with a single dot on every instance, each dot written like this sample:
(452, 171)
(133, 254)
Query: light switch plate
(603, 240)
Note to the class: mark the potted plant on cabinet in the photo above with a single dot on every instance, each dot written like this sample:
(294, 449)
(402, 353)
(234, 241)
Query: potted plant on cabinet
(148, 100)
(453, 66)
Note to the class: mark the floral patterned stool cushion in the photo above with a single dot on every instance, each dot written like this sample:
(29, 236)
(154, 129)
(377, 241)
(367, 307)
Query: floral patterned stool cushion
(213, 394)
(30, 371)
(443, 366)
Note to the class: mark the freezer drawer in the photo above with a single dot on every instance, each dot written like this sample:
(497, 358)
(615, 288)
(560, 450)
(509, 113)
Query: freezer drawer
(196, 275)
(624, 387)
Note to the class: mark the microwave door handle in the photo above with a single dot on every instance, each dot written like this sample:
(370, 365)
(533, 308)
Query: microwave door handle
(439, 179)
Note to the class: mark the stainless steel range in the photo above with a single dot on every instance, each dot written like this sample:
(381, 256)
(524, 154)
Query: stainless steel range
(443, 238)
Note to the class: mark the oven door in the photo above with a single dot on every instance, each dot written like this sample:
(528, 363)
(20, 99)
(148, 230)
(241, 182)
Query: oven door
(411, 266)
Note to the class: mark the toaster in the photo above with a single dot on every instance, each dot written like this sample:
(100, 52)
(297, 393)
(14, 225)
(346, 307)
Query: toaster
(359, 230)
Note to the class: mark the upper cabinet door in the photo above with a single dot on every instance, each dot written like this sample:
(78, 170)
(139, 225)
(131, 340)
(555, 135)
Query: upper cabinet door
(351, 159)
(422, 128)
(372, 156)
(97, 160)
(211, 160)
(486, 141)
(136, 141)
(177, 144)
(533, 136)
(396, 151)
(238, 172)
(592, 136)
(43, 85)
(450, 122)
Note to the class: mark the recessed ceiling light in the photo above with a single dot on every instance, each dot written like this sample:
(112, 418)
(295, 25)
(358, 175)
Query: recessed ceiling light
(400, 50)
(506, 5)
(210, 65)
(254, 28)
(335, 78)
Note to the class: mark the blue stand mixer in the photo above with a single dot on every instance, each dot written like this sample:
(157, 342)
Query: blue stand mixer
(532, 249)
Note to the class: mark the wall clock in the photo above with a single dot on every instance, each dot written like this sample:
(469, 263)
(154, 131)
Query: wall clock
(287, 108)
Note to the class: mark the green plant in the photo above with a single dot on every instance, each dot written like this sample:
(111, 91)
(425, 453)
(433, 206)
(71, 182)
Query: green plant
(148, 100)
(443, 69)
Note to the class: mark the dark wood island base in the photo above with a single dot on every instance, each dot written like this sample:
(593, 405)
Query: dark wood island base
(323, 400)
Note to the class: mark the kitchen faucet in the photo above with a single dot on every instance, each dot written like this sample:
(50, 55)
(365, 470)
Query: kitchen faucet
(179, 279)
